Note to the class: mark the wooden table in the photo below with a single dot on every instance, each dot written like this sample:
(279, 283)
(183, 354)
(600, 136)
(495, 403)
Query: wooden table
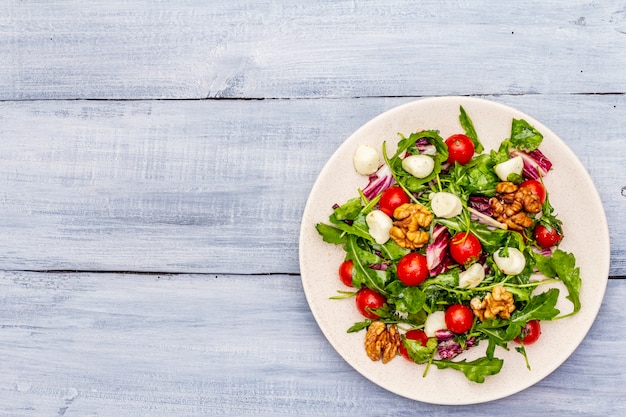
(156, 157)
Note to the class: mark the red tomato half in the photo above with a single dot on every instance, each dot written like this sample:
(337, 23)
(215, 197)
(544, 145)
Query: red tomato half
(460, 149)
(392, 198)
(415, 334)
(368, 299)
(465, 247)
(546, 237)
(536, 188)
(345, 272)
(412, 269)
(530, 333)
(459, 318)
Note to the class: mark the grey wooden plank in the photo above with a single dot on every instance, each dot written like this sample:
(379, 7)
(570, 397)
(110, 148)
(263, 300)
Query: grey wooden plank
(191, 186)
(191, 345)
(262, 49)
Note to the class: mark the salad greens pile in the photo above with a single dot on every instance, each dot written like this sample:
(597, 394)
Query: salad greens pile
(474, 183)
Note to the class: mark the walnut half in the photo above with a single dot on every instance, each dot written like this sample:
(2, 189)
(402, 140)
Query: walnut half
(382, 342)
(498, 303)
(406, 230)
(512, 203)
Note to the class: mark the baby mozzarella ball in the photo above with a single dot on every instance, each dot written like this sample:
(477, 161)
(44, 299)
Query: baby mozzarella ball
(472, 276)
(379, 226)
(419, 166)
(446, 205)
(366, 160)
(511, 264)
(512, 166)
(435, 321)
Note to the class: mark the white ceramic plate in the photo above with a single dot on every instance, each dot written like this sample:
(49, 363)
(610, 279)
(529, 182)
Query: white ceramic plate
(585, 228)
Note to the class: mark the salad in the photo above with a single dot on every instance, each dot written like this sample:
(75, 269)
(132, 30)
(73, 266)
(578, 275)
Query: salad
(448, 246)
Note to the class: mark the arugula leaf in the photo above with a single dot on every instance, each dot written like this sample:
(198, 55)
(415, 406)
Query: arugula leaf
(564, 265)
(357, 327)
(522, 350)
(409, 300)
(475, 177)
(544, 264)
(475, 370)
(358, 227)
(524, 136)
(390, 250)
(548, 219)
(470, 132)
(497, 337)
(331, 234)
(362, 273)
(540, 307)
(419, 353)
(349, 210)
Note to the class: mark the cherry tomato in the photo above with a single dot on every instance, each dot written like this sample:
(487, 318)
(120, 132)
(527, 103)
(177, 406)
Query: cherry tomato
(465, 247)
(415, 334)
(460, 149)
(345, 272)
(459, 318)
(369, 299)
(530, 333)
(391, 198)
(536, 188)
(412, 269)
(546, 237)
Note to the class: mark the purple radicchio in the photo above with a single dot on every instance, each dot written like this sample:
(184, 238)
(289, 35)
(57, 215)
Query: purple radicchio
(536, 164)
(378, 182)
(425, 147)
(438, 258)
(481, 204)
(447, 347)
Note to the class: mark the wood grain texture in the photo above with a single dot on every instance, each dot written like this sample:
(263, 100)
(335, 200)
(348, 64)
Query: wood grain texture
(195, 345)
(192, 186)
(262, 49)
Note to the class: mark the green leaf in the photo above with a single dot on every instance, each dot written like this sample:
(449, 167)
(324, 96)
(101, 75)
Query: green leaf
(470, 132)
(350, 210)
(331, 234)
(524, 136)
(357, 227)
(417, 352)
(410, 300)
(475, 370)
(540, 307)
(544, 265)
(390, 250)
(548, 219)
(564, 265)
(362, 273)
(357, 327)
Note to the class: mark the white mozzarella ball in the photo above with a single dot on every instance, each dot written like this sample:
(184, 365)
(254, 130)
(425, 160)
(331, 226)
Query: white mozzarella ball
(512, 264)
(379, 226)
(512, 166)
(435, 321)
(419, 166)
(472, 276)
(446, 205)
(366, 160)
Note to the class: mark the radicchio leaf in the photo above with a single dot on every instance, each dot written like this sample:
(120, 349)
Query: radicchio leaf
(437, 256)
(536, 164)
(378, 182)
